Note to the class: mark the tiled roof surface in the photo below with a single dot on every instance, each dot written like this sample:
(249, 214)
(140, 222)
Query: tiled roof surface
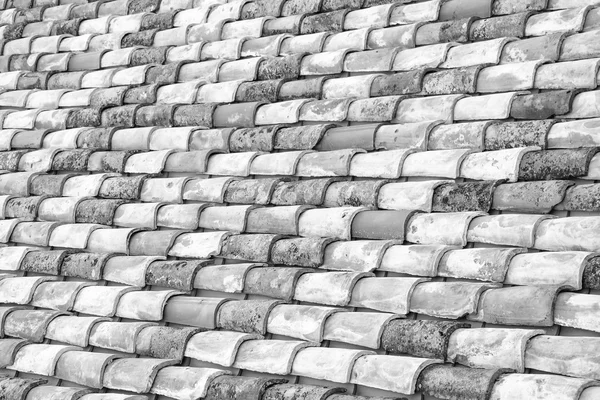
(299, 199)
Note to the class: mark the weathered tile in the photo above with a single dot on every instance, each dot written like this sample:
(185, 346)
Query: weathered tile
(72, 330)
(430, 108)
(402, 37)
(532, 197)
(265, 46)
(115, 240)
(396, 84)
(250, 247)
(295, 391)
(250, 191)
(504, 135)
(84, 265)
(84, 368)
(331, 62)
(28, 324)
(18, 388)
(565, 269)
(506, 229)
(283, 163)
(184, 381)
(224, 387)
(301, 89)
(490, 347)
(385, 294)
(452, 81)
(144, 305)
(569, 356)
(353, 193)
(57, 295)
(505, 306)
(370, 61)
(331, 288)
(512, 25)
(163, 342)
(381, 225)
(228, 278)
(218, 347)
(193, 311)
(133, 374)
(419, 338)
(9, 350)
(383, 164)
(544, 105)
(349, 328)
(325, 110)
(558, 234)
(452, 300)
(444, 32)
(456, 382)
(333, 222)
(336, 365)
(209, 190)
(543, 48)
(276, 282)
(126, 188)
(538, 386)
(356, 256)
(555, 164)
(475, 196)
(306, 252)
(249, 316)
(39, 359)
(499, 164)
(426, 228)
(483, 264)
(405, 369)
(269, 356)
(484, 107)
(469, 135)
(323, 164)
(569, 20)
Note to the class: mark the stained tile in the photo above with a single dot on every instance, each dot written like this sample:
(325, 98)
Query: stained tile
(290, 392)
(452, 300)
(531, 197)
(458, 382)
(336, 365)
(539, 387)
(497, 306)
(570, 20)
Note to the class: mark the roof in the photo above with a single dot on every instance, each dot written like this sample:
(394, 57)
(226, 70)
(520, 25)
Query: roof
(299, 199)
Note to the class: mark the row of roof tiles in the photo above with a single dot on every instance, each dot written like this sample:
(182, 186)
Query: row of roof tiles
(510, 165)
(395, 109)
(78, 204)
(527, 231)
(155, 375)
(480, 302)
(455, 9)
(512, 265)
(442, 381)
(419, 136)
(277, 139)
(509, 349)
(379, 16)
(344, 51)
(344, 98)
(478, 348)
(220, 388)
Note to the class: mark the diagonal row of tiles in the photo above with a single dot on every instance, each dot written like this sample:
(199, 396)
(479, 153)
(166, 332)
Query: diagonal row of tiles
(480, 302)
(214, 24)
(476, 348)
